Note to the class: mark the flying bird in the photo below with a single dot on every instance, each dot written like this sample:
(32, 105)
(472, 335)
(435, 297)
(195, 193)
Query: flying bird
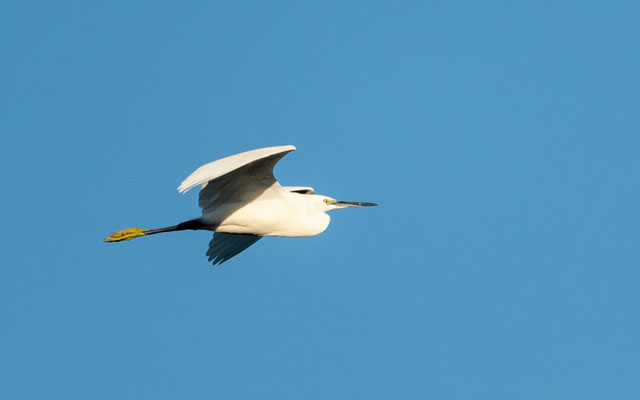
(242, 202)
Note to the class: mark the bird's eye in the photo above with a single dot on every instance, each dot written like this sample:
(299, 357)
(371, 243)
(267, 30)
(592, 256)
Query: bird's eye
(327, 201)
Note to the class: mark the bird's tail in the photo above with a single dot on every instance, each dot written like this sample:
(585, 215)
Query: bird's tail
(127, 234)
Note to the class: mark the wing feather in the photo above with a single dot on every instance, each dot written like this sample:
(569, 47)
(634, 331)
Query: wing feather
(224, 246)
(219, 168)
(237, 179)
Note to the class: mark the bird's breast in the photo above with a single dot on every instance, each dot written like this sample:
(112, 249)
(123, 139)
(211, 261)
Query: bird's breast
(273, 219)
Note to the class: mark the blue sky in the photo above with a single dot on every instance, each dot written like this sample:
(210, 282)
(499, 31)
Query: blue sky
(500, 138)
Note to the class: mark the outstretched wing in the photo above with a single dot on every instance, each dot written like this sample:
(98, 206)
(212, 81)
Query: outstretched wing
(236, 179)
(223, 246)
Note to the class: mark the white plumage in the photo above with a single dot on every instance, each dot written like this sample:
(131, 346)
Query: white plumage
(242, 201)
(218, 168)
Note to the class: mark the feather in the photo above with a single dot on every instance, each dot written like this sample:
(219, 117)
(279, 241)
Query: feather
(224, 246)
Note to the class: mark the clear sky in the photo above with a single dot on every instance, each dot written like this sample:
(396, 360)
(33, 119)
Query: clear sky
(500, 138)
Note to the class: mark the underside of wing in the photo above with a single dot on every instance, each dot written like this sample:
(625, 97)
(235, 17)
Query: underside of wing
(224, 166)
(224, 246)
(299, 189)
(230, 183)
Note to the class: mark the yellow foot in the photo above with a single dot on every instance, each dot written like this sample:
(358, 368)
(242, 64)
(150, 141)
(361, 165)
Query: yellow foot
(126, 234)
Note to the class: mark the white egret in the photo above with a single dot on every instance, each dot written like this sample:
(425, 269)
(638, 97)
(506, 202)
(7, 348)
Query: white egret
(241, 202)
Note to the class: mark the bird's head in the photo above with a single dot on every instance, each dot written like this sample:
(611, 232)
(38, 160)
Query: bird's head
(326, 203)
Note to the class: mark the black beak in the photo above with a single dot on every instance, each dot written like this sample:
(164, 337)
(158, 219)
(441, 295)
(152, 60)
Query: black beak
(355, 204)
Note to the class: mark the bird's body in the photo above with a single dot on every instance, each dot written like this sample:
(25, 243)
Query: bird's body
(242, 201)
(274, 213)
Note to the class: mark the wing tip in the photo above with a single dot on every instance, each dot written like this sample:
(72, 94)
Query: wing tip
(185, 187)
